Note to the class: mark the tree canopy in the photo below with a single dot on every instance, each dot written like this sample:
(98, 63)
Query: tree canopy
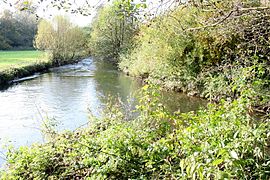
(17, 30)
(63, 39)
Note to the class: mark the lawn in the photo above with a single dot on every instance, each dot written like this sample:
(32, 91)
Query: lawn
(9, 59)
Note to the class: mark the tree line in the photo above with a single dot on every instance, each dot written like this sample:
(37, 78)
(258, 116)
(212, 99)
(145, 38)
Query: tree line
(59, 36)
(17, 30)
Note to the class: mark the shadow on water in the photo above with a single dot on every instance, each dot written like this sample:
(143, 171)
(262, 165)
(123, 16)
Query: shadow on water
(65, 94)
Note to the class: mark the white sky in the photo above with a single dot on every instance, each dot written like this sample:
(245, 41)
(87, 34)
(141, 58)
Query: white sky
(46, 10)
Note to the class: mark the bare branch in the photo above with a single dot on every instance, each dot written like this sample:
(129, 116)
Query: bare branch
(229, 15)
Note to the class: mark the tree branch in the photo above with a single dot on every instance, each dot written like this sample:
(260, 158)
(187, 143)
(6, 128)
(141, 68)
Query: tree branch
(228, 15)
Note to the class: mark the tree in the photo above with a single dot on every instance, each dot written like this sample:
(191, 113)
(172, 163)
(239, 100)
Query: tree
(113, 29)
(17, 30)
(4, 45)
(64, 40)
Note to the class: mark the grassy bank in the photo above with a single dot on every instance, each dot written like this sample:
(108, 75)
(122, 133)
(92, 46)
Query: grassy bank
(18, 64)
(16, 59)
(221, 142)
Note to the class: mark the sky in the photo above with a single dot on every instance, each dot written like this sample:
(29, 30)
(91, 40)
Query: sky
(46, 10)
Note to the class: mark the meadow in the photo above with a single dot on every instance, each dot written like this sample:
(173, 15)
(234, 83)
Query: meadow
(17, 59)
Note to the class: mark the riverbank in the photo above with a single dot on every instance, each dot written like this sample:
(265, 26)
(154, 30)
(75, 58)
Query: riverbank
(224, 61)
(256, 108)
(19, 64)
(218, 50)
(7, 76)
(219, 142)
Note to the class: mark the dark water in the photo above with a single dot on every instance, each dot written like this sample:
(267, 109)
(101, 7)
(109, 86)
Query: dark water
(66, 94)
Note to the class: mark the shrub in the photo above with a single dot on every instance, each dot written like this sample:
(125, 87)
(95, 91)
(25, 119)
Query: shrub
(205, 48)
(223, 141)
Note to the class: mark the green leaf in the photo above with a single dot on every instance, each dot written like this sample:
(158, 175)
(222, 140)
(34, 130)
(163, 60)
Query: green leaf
(138, 6)
(217, 162)
(182, 165)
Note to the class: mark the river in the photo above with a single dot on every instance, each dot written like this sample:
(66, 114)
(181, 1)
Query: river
(67, 94)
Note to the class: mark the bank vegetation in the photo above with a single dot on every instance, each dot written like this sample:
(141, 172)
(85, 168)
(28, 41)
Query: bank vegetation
(215, 49)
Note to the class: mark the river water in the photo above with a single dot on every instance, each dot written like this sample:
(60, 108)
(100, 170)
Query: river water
(67, 94)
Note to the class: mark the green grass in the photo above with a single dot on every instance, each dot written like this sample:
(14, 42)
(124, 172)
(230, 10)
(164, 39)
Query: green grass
(15, 59)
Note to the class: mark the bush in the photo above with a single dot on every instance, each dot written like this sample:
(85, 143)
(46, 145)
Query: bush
(223, 141)
(205, 48)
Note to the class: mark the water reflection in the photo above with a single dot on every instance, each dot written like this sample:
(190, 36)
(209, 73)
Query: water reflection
(110, 82)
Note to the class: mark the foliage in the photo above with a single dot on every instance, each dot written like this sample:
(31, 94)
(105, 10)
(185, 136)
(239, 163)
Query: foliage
(60, 37)
(223, 141)
(217, 48)
(17, 30)
(113, 29)
(205, 47)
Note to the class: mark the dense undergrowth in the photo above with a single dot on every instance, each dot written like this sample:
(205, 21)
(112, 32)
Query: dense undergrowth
(220, 142)
(215, 49)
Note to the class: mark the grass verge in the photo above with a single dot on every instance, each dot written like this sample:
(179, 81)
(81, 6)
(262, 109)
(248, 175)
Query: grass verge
(16, 59)
(18, 64)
